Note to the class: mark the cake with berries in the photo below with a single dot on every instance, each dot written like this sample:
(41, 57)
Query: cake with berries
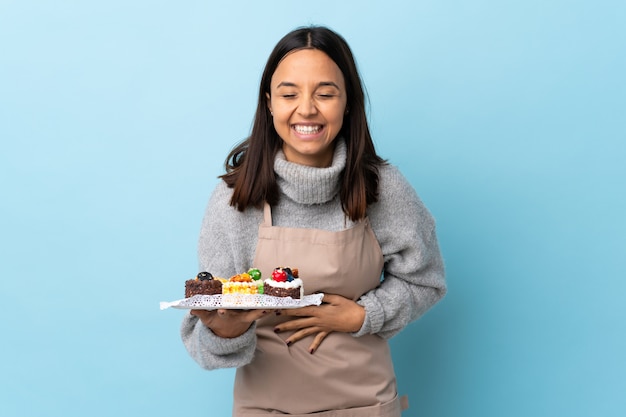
(203, 284)
(284, 283)
(245, 283)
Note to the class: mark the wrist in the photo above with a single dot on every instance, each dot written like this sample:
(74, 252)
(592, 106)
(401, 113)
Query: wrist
(358, 318)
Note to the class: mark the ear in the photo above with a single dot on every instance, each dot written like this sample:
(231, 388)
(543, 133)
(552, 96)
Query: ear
(269, 102)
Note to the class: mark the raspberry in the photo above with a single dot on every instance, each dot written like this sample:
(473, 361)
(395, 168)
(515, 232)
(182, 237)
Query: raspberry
(279, 275)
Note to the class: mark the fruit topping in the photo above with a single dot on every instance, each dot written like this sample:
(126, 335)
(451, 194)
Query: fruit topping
(279, 275)
(289, 274)
(254, 273)
(241, 278)
(204, 276)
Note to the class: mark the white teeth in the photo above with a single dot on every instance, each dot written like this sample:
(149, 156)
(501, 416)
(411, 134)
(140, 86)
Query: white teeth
(307, 130)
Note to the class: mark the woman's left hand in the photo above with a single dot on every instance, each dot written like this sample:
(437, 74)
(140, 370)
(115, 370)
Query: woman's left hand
(335, 314)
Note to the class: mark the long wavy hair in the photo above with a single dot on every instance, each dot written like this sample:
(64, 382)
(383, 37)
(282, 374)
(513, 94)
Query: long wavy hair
(250, 165)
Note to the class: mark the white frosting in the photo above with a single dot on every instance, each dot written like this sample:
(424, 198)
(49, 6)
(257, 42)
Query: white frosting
(287, 284)
(296, 283)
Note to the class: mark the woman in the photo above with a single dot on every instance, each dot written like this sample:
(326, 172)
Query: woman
(308, 190)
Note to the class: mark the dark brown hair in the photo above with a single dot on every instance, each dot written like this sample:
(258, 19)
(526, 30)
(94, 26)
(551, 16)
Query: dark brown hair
(250, 165)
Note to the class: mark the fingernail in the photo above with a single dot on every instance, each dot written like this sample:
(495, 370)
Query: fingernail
(289, 343)
(311, 351)
(276, 330)
(278, 312)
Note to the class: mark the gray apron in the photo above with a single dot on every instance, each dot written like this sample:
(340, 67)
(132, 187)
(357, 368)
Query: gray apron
(346, 376)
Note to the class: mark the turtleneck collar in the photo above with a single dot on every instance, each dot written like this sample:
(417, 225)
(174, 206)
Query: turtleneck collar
(310, 185)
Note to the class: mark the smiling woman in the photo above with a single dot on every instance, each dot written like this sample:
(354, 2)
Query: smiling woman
(308, 103)
(307, 188)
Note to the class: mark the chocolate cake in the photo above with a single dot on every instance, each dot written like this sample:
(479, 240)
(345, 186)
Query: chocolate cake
(203, 284)
(284, 283)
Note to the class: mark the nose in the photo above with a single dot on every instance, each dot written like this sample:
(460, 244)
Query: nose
(307, 106)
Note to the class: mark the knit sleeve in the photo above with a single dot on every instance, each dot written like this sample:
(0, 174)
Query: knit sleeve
(216, 255)
(413, 275)
(214, 352)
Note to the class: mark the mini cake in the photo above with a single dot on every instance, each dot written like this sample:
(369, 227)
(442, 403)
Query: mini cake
(284, 283)
(246, 283)
(203, 284)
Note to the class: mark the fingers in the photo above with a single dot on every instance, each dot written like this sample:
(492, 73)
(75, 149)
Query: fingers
(242, 315)
(331, 298)
(296, 324)
(337, 314)
(203, 315)
(228, 314)
(229, 323)
(301, 334)
(298, 312)
(302, 328)
(317, 341)
(320, 335)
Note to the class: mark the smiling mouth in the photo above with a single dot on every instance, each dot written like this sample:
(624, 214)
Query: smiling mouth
(308, 129)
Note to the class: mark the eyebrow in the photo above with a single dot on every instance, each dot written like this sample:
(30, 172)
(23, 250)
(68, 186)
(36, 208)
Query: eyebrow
(321, 84)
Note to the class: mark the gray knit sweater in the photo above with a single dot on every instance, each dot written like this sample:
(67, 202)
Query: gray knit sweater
(413, 271)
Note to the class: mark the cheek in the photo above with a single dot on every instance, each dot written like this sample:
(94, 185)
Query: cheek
(280, 120)
(337, 116)
(281, 124)
(282, 113)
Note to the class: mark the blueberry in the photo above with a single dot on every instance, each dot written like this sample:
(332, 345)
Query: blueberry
(205, 276)
(289, 274)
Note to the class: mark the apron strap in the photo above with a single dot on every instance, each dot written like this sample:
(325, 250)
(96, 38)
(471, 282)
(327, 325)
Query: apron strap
(267, 214)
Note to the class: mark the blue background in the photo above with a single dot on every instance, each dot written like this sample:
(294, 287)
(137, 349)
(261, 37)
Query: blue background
(508, 117)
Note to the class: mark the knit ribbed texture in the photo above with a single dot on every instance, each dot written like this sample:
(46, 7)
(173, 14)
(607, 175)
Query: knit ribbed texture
(310, 185)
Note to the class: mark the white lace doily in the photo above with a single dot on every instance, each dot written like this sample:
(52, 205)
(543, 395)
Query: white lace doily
(242, 301)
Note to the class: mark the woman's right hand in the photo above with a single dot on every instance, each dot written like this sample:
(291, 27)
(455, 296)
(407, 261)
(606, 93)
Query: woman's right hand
(229, 323)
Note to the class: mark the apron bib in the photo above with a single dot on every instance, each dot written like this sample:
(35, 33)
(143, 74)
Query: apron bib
(346, 376)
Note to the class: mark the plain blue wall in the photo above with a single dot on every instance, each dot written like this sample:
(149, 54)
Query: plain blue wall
(508, 117)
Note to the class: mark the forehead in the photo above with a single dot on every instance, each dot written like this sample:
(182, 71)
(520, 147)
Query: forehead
(307, 66)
